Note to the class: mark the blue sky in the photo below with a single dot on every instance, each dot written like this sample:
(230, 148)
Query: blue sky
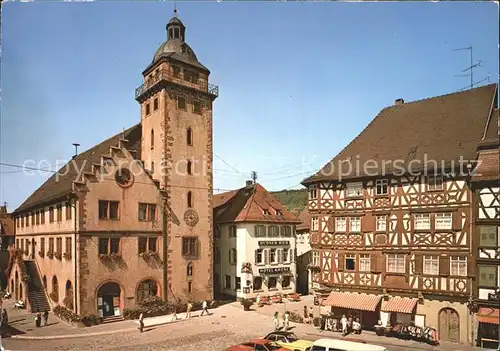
(297, 80)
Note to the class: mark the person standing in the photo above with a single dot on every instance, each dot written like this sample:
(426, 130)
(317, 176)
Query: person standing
(45, 318)
(343, 323)
(189, 308)
(286, 320)
(257, 300)
(141, 322)
(306, 319)
(204, 307)
(276, 320)
(38, 320)
(311, 315)
(5, 317)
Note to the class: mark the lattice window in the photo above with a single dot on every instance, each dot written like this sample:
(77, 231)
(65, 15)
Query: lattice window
(435, 182)
(314, 223)
(340, 224)
(381, 223)
(364, 263)
(458, 266)
(422, 221)
(315, 258)
(443, 221)
(354, 189)
(381, 186)
(431, 265)
(396, 263)
(313, 192)
(355, 224)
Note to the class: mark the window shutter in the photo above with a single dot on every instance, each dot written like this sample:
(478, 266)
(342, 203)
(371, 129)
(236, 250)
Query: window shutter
(283, 230)
(340, 265)
(331, 224)
(256, 230)
(264, 230)
(198, 248)
(368, 223)
(230, 256)
(418, 264)
(444, 266)
(292, 255)
(381, 263)
(457, 220)
(376, 264)
(255, 257)
(266, 256)
(471, 268)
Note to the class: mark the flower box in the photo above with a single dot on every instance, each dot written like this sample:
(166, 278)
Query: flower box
(50, 254)
(41, 253)
(67, 255)
(58, 255)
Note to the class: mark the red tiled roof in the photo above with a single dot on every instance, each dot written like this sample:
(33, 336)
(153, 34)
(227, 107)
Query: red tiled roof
(248, 204)
(305, 219)
(443, 128)
(488, 167)
(399, 305)
(489, 315)
(7, 226)
(355, 301)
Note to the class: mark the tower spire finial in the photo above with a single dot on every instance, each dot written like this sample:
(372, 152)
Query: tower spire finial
(175, 9)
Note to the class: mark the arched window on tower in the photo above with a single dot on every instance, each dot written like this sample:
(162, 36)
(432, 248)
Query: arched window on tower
(152, 139)
(189, 137)
(189, 199)
(170, 34)
(189, 167)
(189, 272)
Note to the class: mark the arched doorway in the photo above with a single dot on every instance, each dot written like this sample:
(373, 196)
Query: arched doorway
(147, 288)
(449, 325)
(20, 291)
(33, 248)
(108, 299)
(12, 286)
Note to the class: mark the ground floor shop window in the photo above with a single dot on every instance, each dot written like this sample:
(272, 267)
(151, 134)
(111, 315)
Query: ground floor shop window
(488, 335)
(272, 283)
(257, 283)
(401, 318)
(227, 284)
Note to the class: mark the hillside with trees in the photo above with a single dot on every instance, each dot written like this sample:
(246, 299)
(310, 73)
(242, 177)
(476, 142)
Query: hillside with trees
(294, 200)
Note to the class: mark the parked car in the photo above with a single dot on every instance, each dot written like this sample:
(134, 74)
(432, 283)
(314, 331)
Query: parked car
(342, 345)
(257, 345)
(289, 341)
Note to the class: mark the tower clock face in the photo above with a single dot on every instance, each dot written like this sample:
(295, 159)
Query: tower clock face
(124, 177)
(191, 217)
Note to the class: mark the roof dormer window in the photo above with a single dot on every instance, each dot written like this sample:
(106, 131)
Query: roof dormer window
(266, 212)
(279, 213)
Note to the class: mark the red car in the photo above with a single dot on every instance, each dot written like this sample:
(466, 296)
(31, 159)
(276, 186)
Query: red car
(257, 345)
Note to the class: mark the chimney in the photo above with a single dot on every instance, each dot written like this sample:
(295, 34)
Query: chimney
(3, 210)
(399, 102)
(249, 184)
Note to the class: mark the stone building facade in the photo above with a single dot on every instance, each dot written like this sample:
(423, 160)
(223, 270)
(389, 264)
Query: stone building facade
(125, 219)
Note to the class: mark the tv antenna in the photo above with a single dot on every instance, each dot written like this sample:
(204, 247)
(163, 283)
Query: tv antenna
(470, 69)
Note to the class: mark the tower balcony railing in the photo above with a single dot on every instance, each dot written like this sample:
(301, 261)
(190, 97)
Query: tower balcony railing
(198, 84)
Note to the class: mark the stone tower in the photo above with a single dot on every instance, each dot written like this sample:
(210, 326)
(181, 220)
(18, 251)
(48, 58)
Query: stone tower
(176, 116)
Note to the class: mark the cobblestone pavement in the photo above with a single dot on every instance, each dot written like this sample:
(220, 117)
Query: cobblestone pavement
(228, 325)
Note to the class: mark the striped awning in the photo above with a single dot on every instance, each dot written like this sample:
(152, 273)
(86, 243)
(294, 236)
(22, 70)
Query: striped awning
(488, 315)
(399, 305)
(354, 301)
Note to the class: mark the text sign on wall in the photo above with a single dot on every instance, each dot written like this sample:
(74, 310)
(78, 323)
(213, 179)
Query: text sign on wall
(274, 243)
(274, 270)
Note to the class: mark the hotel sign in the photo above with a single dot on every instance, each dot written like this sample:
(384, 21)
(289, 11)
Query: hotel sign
(274, 243)
(274, 270)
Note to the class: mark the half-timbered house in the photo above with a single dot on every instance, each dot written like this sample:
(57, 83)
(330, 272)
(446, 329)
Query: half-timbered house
(486, 211)
(391, 215)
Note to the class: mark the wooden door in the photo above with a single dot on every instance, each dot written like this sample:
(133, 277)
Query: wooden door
(449, 325)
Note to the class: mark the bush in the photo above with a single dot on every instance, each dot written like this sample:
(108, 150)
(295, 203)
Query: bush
(66, 314)
(132, 313)
(90, 319)
(296, 317)
(68, 302)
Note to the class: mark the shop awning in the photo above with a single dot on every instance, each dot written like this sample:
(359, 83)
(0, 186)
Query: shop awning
(488, 315)
(399, 305)
(353, 301)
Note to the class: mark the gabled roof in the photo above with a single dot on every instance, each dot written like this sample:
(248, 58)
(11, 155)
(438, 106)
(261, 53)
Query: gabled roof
(488, 167)
(442, 128)
(248, 204)
(305, 219)
(7, 225)
(61, 183)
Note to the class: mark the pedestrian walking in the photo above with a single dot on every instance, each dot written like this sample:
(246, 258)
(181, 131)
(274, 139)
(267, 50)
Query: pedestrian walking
(38, 320)
(5, 317)
(257, 300)
(343, 323)
(286, 320)
(45, 318)
(174, 316)
(311, 315)
(204, 307)
(306, 315)
(276, 320)
(141, 322)
(188, 310)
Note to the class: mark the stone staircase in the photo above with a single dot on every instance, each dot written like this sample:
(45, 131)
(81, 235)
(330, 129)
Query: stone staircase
(112, 319)
(37, 298)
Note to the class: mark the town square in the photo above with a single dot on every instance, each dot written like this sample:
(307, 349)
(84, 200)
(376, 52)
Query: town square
(250, 176)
